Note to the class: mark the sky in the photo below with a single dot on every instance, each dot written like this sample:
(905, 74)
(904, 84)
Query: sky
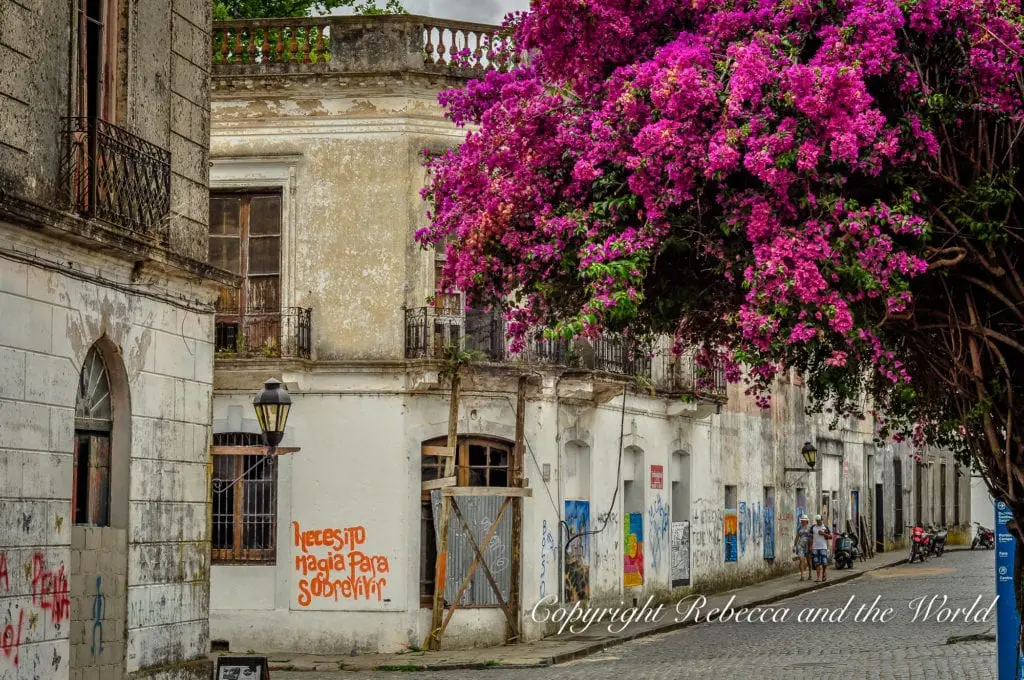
(482, 11)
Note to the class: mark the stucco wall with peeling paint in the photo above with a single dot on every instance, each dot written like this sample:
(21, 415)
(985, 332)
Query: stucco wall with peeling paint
(357, 155)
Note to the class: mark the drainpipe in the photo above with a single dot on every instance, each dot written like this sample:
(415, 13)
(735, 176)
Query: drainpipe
(562, 534)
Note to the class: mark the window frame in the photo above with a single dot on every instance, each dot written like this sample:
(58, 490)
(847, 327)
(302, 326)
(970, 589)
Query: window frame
(463, 477)
(92, 428)
(238, 447)
(242, 316)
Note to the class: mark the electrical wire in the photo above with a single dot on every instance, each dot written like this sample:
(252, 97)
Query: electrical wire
(618, 483)
(181, 302)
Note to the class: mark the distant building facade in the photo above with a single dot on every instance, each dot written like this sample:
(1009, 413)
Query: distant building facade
(106, 339)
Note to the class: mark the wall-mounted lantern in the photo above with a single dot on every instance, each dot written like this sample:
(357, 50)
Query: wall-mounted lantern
(272, 404)
(810, 454)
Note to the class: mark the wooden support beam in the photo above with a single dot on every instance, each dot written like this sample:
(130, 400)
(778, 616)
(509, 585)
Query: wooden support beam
(432, 484)
(441, 568)
(518, 465)
(486, 491)
(442, 451)
(251, 450)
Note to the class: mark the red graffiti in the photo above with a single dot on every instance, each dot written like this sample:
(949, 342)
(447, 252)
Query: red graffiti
(3, 572)
(50, 589)
(10, 642)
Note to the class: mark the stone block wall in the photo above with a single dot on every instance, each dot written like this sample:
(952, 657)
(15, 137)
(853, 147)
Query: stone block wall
(154, 568)
(99, 568)
(163, 97)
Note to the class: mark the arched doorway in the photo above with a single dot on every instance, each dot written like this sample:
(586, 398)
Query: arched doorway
(99, 507)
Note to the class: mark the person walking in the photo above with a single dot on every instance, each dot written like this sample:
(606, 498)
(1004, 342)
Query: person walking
(802, 547)
(820, 536)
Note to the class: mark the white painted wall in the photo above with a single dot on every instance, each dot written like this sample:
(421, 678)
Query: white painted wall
(982, 508)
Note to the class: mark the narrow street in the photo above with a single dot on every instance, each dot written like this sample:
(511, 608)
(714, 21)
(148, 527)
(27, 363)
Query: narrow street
(900, 648)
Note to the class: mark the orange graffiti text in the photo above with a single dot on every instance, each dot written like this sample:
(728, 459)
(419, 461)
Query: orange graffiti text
(344, 573)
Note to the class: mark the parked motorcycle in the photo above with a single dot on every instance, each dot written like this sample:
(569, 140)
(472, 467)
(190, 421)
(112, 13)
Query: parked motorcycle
(846, 551)
(920, 544)
(983, 537)
(938, 541)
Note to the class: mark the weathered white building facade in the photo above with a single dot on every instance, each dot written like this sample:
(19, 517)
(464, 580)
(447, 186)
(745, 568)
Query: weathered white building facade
(315, 184)
(106, 352)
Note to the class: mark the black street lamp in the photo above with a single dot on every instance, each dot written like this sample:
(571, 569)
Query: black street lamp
(810, 454)
(272, 404)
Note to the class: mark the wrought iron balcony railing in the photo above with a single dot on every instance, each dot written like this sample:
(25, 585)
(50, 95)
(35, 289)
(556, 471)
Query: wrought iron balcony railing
(112, 175)
(285, 334)
(430, 331)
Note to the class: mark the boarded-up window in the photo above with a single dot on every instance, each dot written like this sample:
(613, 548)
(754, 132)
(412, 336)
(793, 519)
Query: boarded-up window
(479, 462)
(244, 501)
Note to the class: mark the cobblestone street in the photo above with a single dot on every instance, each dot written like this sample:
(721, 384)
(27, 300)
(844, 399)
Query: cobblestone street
(900, 648)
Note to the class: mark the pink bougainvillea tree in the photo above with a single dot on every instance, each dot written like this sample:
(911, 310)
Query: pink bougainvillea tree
(833, 186)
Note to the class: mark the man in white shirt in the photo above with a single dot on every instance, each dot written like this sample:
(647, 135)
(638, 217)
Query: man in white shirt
(820, 536)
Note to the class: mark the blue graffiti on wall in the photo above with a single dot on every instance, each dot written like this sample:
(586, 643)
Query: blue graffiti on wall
(658, 517)
(547, 547)
(98, 609)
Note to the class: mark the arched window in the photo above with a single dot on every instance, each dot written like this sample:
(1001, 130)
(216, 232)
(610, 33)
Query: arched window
(90, 495)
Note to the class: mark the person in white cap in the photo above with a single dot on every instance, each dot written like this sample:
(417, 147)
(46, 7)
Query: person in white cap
(801, 547)
(820, 536)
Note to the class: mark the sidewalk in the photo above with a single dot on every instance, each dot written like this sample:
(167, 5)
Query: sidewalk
(567, 647)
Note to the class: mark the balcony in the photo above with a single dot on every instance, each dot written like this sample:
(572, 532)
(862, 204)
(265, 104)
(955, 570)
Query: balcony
(431, 331)
(111, 175)
(356, 44)
(257, 334)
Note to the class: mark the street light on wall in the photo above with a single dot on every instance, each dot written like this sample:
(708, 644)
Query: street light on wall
(810, 454)
(272, 404)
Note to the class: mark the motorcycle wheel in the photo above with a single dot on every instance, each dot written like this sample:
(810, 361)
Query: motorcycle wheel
(974, 544)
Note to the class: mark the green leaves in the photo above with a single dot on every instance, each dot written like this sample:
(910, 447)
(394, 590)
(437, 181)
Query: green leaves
(264, 9)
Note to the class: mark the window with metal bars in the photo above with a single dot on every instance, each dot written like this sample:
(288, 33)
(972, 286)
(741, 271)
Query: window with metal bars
(478, 462)
(245, 510)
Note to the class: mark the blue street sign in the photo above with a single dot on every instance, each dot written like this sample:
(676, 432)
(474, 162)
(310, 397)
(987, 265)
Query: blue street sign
(1011, 662)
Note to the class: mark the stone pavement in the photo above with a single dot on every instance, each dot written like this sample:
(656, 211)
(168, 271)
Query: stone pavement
(567, 647)
(795, 649)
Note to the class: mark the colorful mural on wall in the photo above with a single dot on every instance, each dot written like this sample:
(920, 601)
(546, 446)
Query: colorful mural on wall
(680, 554)
(577, 551)
(731, 538)
(634, 549)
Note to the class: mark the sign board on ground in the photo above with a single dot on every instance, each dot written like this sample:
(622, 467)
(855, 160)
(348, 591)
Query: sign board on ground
(242, 668)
